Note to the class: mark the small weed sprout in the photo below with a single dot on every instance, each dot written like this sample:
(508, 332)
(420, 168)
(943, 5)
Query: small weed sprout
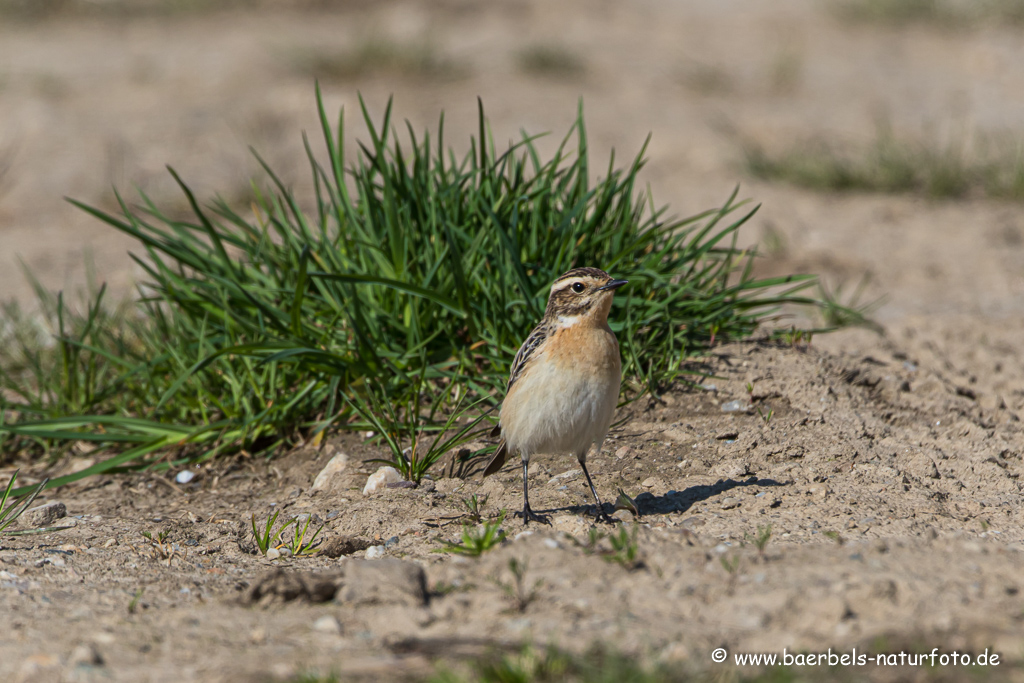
(835, 536)
(731, 565)
(160, 548)
(761, 539)
(594, 536)
(160, 536)
(297, 543)
(625, 549)
(473, 505)
(133, 604)
(517, 592)
(795, 337)
(265, 539)
(767, 417)
(476, 542)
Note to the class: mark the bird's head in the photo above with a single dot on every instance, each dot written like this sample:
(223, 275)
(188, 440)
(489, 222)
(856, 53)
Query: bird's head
(580, 294)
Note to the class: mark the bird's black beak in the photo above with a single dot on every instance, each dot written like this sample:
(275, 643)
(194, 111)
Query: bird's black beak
(614, 284)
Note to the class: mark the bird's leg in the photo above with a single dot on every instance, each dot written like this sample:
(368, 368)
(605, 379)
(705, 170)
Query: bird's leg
(527, 514)
(601, 515)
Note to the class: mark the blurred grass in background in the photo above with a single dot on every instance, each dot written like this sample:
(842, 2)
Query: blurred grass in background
(955, 167)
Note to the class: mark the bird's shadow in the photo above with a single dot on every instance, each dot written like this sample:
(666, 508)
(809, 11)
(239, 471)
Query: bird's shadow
(675, 501)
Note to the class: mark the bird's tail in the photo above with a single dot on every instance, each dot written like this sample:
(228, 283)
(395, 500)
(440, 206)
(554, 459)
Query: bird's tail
(497, 460)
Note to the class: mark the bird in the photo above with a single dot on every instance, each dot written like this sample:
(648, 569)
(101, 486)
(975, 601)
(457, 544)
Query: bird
(564, 383)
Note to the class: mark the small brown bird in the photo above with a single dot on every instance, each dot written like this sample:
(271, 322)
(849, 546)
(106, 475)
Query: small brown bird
(564, 383)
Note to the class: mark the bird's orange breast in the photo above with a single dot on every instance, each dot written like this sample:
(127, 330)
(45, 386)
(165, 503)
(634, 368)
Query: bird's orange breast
(581, 345)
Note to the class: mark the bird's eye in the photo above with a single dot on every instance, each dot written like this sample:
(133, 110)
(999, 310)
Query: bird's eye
(578, 287)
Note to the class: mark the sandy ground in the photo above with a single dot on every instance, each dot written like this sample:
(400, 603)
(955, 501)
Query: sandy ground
(889, 470)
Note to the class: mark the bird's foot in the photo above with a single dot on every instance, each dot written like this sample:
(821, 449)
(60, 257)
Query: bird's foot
(529, 515)
(601, 516)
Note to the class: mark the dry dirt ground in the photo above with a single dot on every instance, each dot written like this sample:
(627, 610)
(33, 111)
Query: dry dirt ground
(889, 469)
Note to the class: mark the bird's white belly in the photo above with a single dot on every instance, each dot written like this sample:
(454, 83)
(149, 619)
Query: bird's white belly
(554, 411)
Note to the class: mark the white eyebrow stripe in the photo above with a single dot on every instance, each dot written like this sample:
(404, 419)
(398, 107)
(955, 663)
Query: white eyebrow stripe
(562, 284)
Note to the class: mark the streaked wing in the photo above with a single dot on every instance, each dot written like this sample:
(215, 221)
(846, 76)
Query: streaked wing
(532, 343)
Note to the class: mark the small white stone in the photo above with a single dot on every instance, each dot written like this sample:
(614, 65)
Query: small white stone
(85, 655)
(523, 534)
(551, 543)
(380, 479)
(327, 624)
(273, 554)
(185, 476)
(333, 468)
(375, 552)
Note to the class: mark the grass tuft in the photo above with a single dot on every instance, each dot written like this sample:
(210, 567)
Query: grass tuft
(409, 283)
(475, 542)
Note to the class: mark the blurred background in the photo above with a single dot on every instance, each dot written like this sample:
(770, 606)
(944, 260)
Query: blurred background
(881, 136)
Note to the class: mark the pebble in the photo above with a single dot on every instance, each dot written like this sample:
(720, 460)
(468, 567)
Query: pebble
(380, 479)
(523, 534)
(327, 624)
(273, 554)
(44, 515)
(185, 476)
(391, 542)
(85, 655)
(551, 543)
(730, 503)
(650, 482)
(735, 406)
(569, 474)
(375, 552)
(332, 469)
(623, 515)
(622, 452)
